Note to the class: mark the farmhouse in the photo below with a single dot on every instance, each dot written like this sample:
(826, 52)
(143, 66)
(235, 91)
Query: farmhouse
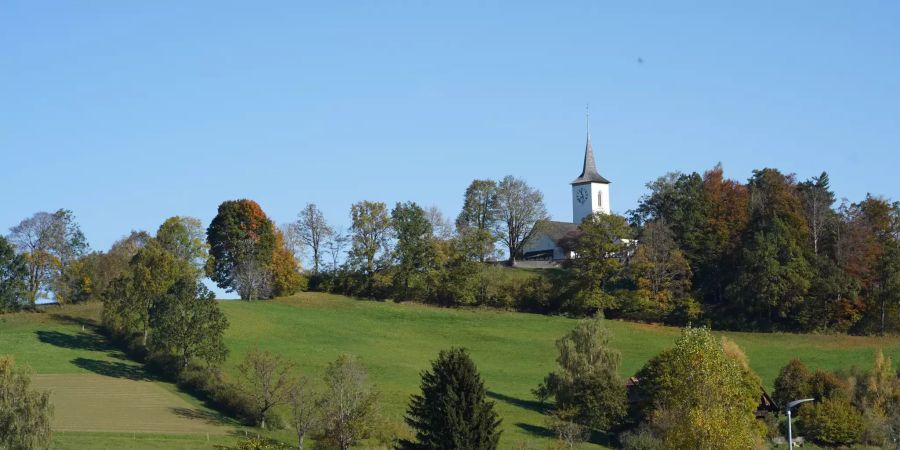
(590, 194)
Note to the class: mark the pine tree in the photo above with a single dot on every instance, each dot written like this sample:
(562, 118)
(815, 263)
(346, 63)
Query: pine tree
(451, 412)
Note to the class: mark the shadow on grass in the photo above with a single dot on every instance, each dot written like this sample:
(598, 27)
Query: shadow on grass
(113, 369)
(531, 405)
(80, 341)
(596, 437)
(208, 417)
(75, 320)
(535, 429)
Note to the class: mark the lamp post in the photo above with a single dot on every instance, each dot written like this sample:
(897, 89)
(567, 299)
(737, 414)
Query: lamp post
(788, 409)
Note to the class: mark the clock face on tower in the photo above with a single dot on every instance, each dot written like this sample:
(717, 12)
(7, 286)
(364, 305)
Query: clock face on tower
(581, 195)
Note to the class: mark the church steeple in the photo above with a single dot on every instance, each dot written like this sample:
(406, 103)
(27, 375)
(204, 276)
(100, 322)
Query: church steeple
(589, 172)
(590, 191)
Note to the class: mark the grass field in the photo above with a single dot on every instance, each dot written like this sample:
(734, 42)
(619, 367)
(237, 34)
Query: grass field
(100, 398)
(395, 341)
(512, 350)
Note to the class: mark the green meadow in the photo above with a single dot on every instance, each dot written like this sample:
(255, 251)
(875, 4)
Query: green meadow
(513, 350)
(395, 341)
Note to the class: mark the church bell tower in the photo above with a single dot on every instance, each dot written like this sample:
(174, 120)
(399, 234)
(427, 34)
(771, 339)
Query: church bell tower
(590, 191)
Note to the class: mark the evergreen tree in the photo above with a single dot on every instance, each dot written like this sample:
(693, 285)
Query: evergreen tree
(451, 412)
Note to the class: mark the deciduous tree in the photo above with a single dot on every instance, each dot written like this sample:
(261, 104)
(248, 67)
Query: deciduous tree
(240, 234)
(586, 385)
(49, 242)
(349, 404)
(313, 232)
(188, 324)
(600, 250)
(414, 251)
(370, 230)
(305, 416)
(24, 412)
(266, 379)
(184, 237)
(13, 276)
(706, 398)
(479, 216)
(519, 208)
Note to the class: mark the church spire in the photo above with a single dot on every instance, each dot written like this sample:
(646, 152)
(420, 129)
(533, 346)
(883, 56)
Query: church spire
(589, 172)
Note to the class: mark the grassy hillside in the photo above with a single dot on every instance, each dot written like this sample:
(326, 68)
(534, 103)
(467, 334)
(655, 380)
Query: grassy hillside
(396, 342)
(101, 399)
(513, 350)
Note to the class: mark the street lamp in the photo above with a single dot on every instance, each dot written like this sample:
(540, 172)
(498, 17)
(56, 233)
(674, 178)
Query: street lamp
(788, 409)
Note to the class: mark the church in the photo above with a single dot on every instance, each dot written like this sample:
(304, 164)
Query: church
(590, 194)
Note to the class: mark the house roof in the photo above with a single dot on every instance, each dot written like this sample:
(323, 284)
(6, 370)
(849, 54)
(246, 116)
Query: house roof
(589, 171)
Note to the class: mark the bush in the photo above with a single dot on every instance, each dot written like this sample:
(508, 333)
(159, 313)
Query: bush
(641, 438)
(792, 383)
(832, 421)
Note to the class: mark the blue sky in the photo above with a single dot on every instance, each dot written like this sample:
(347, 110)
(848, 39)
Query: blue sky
(131, 112)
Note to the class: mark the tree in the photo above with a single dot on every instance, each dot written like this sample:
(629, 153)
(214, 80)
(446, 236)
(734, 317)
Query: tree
(833, 422)
(370, 231)
(251, 278)
(184, 237)
(349, 404)
(187, 323)
(586, 385)
(661, 275)
(817, 199)
(303, 403)
(452, 412)
(699, 395)
(108, 266)
(776, 274)
(519, 208)
(24, 412)
(479, 216)
(286, 278)
(136, 296)
(13, 276)
(335, 246)
(48, 242)
(441, 226)
(792, 383)
(414, 250)
(313, 232)
(240, 235)
(600, 250)
(266, 380)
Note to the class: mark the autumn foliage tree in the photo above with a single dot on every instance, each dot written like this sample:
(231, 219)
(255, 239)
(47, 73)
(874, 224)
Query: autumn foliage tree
(241, 239)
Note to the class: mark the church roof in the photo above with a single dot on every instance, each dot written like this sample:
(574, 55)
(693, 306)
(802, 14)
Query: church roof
(556, 230)
(589, 171)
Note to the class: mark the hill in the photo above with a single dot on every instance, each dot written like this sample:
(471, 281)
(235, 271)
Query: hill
(513, 351)
(395, 341)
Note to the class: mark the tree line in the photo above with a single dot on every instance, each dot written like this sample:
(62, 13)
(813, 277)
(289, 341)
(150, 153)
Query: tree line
(773, 253)
(769, 254)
